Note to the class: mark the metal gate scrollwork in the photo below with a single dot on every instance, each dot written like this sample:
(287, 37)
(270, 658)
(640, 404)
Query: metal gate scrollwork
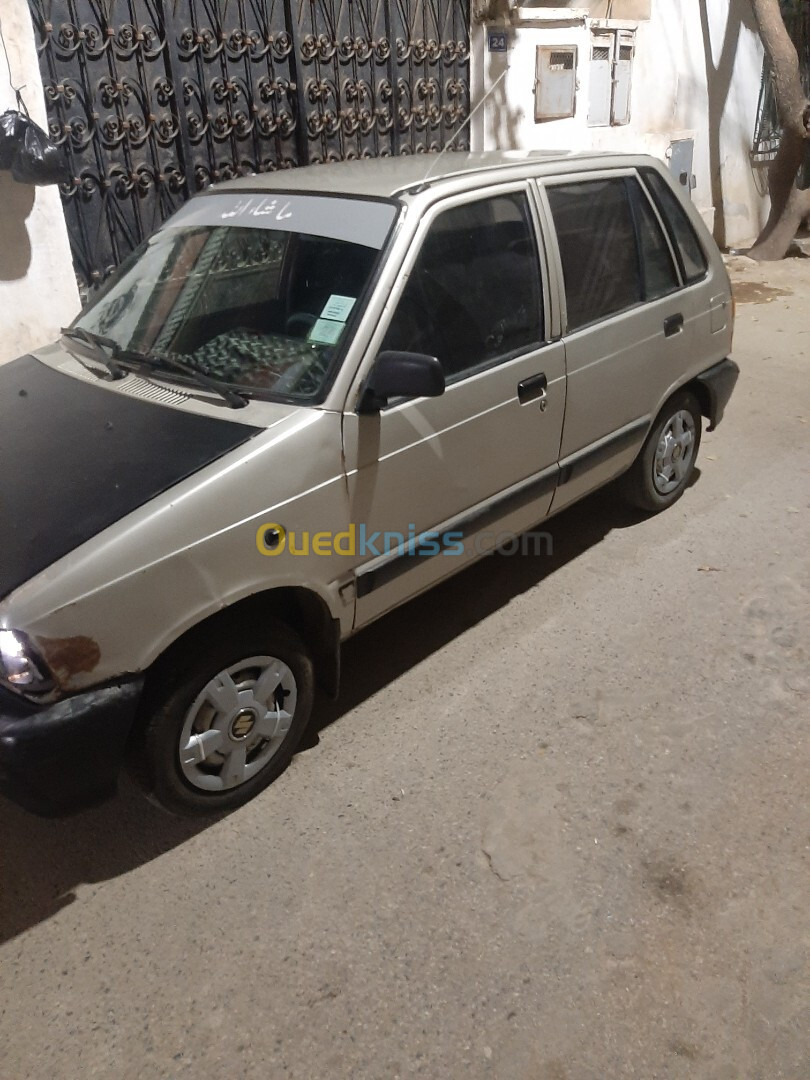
(152, 100)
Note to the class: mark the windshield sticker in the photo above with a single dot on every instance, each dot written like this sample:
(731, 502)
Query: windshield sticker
(258, 207)
(354, 220)
(338, 307)
(325, 332)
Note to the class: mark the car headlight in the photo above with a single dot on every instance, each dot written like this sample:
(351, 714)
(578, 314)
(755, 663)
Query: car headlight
(20, 667)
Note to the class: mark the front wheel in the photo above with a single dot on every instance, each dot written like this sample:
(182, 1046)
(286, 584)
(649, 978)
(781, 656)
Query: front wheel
(228, 721)
(662, 471)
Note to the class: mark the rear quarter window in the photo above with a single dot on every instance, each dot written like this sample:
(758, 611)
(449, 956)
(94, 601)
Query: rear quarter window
(688, 248)
(659, 273)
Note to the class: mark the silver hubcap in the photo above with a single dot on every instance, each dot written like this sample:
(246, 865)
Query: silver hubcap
(674, 453)
(237, 723)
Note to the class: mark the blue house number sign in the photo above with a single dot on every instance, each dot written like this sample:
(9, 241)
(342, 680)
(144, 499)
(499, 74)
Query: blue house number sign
(496, 41)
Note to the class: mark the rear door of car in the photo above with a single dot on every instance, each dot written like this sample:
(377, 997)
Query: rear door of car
(627, 334)
(706, 296)
(483, 456)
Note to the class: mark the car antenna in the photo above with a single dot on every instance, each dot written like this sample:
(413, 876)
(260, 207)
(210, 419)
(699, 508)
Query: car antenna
(421, 186)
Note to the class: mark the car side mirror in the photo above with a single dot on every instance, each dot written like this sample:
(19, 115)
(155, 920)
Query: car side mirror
(401, 374)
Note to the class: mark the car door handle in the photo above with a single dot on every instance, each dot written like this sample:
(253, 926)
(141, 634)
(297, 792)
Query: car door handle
(673, 325)
(532, 388)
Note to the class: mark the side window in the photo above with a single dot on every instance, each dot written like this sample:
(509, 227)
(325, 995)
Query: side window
(659, 275)
(597, 240)
(684, 238)
(473, 296)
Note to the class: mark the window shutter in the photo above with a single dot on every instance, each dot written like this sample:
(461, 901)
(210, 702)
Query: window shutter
(623, 69)
(555, 82)
(600, 80)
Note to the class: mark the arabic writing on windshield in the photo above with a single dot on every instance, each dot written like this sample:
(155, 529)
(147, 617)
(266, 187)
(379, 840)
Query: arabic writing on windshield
(243, 297)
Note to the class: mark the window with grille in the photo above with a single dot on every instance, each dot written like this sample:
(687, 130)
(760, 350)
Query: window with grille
(561, 61)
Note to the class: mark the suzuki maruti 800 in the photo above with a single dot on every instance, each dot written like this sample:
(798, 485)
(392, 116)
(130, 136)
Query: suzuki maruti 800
(307, 398)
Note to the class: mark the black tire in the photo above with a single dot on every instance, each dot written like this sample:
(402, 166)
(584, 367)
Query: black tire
(158, 763)
(638, 485)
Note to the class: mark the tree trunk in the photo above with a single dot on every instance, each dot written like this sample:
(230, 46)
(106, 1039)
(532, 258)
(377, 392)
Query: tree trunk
(789, 205)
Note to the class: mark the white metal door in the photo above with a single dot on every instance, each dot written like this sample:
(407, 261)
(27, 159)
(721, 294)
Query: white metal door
(622, 70)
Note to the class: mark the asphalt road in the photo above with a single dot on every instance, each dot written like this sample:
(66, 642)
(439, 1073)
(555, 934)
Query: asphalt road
(556, 828)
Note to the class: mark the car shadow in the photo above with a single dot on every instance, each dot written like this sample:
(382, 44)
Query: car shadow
(43, 861)
(405, 637)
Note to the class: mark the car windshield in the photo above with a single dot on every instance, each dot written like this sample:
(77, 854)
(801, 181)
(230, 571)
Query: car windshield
(254, 290)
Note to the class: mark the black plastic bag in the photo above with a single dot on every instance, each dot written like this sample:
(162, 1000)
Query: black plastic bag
(12, 124)
(38, 160)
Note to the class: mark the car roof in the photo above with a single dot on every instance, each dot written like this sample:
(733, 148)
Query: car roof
(391, 176)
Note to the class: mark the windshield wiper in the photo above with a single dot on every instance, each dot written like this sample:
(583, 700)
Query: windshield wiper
(153, 362)
(99, 344)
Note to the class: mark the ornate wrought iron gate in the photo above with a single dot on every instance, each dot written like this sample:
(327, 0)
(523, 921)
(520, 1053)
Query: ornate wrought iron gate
(154, 99)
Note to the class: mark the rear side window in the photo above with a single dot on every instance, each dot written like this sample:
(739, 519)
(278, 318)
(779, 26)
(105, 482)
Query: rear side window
(658, 269)
(597, 239)
(683, 236)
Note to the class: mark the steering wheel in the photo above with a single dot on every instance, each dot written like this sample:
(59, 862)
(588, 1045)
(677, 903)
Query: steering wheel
(299, 324)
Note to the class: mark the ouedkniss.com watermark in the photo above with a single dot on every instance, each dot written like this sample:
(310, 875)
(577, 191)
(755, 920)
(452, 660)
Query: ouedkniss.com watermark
(357, 540)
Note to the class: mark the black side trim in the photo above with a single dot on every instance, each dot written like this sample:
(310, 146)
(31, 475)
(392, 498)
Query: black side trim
(475, 520)
(719, 382)
(591, 456)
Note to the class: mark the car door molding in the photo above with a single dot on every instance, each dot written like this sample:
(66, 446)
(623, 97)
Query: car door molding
(387, 568)
(596, 453)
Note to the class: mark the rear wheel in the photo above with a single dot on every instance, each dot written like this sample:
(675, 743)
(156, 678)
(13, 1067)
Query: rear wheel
(228, 720)
(662, 471)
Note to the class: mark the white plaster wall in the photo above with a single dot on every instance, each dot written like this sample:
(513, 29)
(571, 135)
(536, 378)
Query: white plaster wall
(670, 98)
(38, 291)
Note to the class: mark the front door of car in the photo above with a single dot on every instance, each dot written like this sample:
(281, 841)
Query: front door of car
(481, 458)
(629, 334)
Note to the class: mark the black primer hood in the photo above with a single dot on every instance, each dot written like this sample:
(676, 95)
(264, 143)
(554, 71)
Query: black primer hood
(75, 457)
